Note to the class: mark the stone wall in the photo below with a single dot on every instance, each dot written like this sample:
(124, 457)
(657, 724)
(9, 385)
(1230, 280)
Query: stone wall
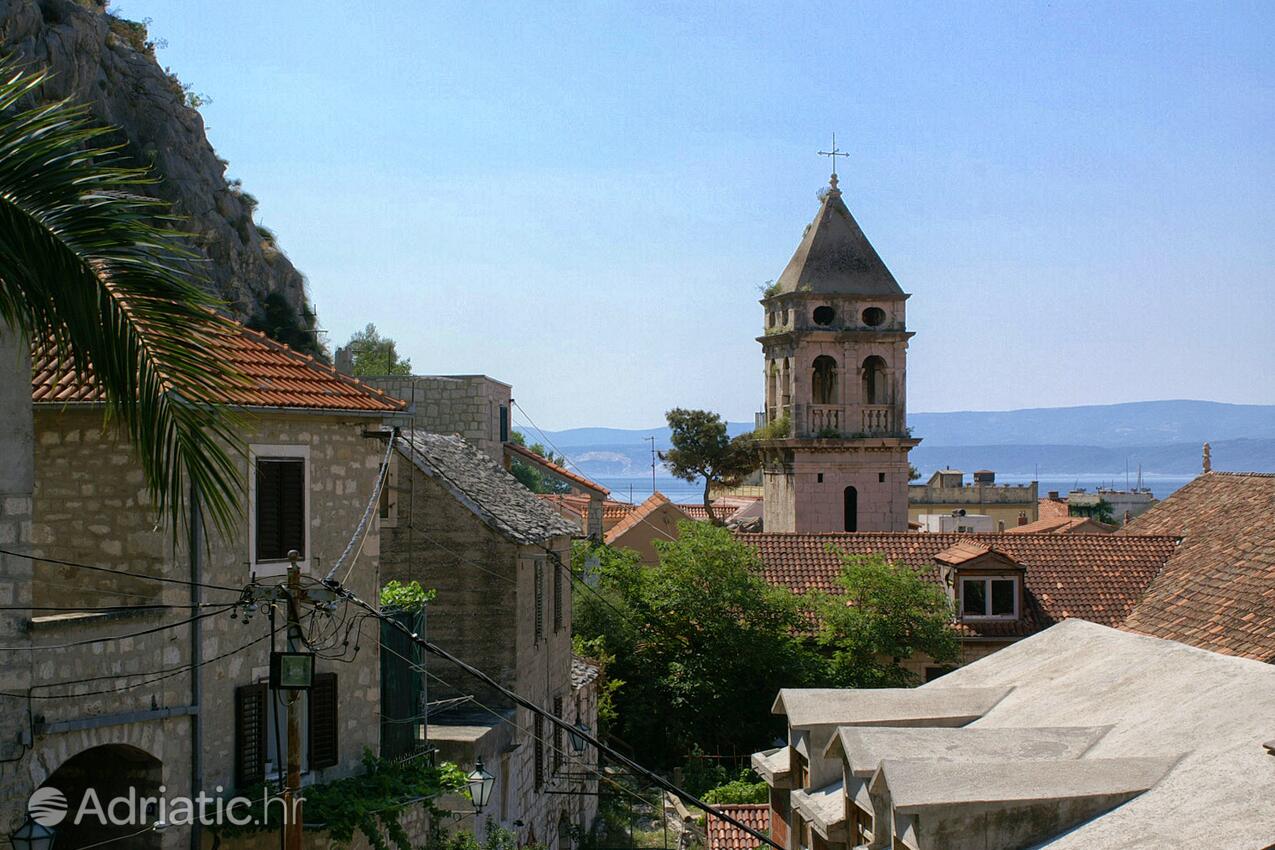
(468, 405)
(89, 507)
(806, 493)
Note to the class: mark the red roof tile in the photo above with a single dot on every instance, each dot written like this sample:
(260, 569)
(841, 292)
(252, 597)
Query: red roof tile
(638, 515)
(725, 836)
(1053, 508)
(276, 377)
(1217, 591)
(561, 471)
(1095, 577)
(1063, 525)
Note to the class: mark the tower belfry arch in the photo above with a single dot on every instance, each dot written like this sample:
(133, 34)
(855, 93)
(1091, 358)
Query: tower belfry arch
(835, 346)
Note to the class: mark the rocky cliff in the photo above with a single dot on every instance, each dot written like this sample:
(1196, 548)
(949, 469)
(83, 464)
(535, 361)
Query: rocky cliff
(109, 63)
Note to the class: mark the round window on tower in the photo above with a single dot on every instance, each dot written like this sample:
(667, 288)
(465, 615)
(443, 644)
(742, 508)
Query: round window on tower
(873, 316)
(824, 315)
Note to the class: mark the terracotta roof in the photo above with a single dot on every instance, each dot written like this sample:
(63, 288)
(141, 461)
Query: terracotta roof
(612, 511)
(725, 836)
(561, 471)
(723, 507)
(1217, 592)
(1053, 508)
(277, 377)
(639, 514)
(963, 551)
(1095, 577)
(1062, 525)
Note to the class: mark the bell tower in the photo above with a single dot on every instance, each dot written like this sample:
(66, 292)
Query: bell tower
(835, 457)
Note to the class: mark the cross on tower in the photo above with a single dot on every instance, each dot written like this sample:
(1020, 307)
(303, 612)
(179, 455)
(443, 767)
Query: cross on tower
(833, 154)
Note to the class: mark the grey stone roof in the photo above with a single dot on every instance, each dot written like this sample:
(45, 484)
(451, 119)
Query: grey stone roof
(483, 486)
(582, 672)
(835, 258)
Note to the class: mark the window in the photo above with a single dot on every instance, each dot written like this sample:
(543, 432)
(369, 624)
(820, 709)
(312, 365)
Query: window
(873, 316)
(880, 477)
(280, 506)
(824, 315)
(538, 731)
(819, 478)
(504, 424)
(823, 383)
(874, 380)
(989, 596)
(251, 723)
(322, 710)
(557, 596)
(388, 506)
(540, 599)
(851, 497)
(557, 735)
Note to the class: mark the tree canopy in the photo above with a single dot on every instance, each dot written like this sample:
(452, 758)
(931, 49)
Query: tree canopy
(701, 643)
(702, 449)
(373, 354)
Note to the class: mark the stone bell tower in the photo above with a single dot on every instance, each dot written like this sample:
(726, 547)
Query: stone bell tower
(835, 347)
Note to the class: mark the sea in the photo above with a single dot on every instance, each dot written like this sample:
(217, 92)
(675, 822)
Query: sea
(636, 489)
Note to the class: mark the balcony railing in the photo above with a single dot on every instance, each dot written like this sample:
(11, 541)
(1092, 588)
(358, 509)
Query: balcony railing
(823, 418)
(878, 420)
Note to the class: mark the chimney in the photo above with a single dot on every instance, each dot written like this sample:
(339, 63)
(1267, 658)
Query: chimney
(1022, 517)
(344, 361)
(1208, 458)
(1128, 515)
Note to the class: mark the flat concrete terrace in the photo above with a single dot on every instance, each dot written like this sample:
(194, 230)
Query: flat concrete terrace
(1209, 713)
(807, 708)
(825, 810)
(865, 748)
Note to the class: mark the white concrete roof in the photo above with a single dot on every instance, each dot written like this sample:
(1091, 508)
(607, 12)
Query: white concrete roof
(824, 808)
(915, 785)
(952, 706)
(865, 748)
(773, 765)
(1160, 698)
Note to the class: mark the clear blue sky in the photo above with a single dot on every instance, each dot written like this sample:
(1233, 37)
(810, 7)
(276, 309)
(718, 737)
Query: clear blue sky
(584, 201)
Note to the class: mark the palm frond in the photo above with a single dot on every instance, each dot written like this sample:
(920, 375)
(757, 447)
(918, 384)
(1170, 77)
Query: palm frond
(98, 272)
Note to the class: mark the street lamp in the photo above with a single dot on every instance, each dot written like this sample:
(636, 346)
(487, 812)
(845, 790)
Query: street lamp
(32, 835)
(480, 783)
(577, 739)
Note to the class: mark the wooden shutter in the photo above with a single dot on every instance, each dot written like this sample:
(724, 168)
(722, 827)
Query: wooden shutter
(557, 735)
(540, 599)
(538, 731)
(323, 721)
(250, 735)
(280, 507)
(557, 595)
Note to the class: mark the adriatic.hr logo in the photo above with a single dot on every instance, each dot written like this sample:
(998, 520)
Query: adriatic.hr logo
(49, 807)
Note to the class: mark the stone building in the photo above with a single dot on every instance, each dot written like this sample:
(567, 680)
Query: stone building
(499, 559)
(184, 705)
(1008, 505)
(1081, 736)
(835, 367)
(476, 407)
(655, 519)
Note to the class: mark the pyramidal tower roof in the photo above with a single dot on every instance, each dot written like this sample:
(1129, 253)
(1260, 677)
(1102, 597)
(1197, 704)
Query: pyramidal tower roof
(835, 258)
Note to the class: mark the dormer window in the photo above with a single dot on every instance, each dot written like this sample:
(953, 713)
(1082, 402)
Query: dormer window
(989, 596)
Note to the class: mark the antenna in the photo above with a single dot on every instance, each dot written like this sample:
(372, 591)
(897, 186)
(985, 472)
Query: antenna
(652, 439)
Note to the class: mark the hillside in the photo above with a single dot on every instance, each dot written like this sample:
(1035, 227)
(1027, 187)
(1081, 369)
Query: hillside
(109, 64)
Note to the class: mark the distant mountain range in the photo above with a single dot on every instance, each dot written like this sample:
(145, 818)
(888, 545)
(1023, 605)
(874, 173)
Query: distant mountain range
(1164, 437)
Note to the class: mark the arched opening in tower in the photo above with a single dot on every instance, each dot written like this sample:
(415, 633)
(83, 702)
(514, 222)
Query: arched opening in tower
(823, 383)
(852, 509)
(874, 381)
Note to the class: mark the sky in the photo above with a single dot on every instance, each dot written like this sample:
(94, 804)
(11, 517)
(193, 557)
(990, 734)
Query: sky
(584, 200)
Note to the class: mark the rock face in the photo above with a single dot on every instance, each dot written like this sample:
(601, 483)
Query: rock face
(109, 64)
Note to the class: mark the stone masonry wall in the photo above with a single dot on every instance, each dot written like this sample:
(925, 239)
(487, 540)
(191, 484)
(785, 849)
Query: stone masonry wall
(468, 405)
(89, 507)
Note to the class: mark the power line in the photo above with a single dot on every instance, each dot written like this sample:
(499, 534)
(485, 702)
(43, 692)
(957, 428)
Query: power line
(518, 699)
(88, 641)
(118, 572)
(365, 523)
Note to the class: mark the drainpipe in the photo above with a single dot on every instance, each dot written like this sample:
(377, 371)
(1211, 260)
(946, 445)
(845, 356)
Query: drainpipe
(196, 657)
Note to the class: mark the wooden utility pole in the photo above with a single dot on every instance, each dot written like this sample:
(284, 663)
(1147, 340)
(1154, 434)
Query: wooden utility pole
(292, 792)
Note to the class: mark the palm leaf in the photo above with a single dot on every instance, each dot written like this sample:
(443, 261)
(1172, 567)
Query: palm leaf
(97, 272)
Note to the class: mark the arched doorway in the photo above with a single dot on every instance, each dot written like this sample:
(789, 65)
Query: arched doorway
(852, 509)
(823, 383)
(874, 383)
(108, 771)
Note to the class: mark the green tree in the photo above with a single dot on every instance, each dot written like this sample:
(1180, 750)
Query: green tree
(701, 642)
(532, 478)
(96, 274)
(373, 354)
(886, 613)
(702, 449)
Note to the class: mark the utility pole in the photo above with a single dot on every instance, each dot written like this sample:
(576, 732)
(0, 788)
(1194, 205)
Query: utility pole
(292, 800)
(652, 439)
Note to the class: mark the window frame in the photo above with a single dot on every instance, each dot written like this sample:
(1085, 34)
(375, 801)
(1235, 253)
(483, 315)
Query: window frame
(295, 451)
(986, 581)
(389, 495)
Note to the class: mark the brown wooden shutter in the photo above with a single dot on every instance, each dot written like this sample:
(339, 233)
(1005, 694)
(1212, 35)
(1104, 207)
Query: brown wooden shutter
(250, 735)
(557, 595)
(538, 732)
(280, 507)
(540, 599)
(557, 735)
(323, 721)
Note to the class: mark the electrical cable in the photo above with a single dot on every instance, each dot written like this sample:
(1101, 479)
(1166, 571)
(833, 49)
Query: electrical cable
(117, 572)
(88, 641)
(365, 523)
(518, 699)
